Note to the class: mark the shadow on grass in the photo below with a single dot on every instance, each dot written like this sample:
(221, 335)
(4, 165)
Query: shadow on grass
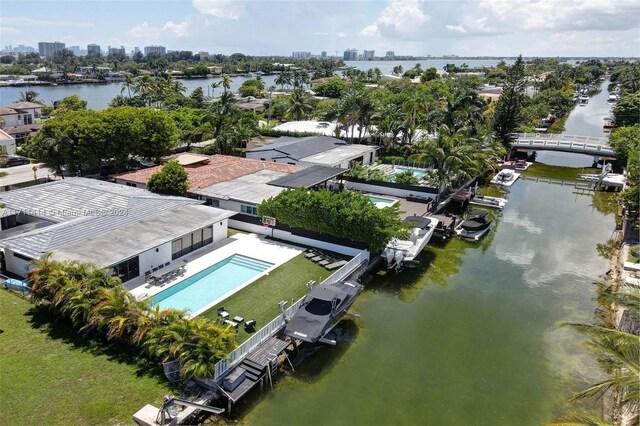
(55, 328)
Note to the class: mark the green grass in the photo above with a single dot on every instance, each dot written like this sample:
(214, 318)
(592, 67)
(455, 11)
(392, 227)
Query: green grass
(558, 125)
(232, 232)
(51, 375)
(557, 172)
(260, 300)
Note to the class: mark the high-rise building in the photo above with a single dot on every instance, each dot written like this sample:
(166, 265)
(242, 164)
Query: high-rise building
(75, 50)
(93, 48)
(323, 54)
(350, 55)
(390, 55)
(46, 48)
(203, 54)
(368, 55)
(301, 55)
(116, 50)
(161, 50)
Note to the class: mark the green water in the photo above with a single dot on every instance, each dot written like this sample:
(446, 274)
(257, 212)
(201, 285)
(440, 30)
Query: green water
(472, 338)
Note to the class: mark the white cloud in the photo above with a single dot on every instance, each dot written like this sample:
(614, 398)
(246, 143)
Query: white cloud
(144, 33)
(227, 9)
(9, 30)
(401, 18)
(458, 28)
(44, 22)
(178, 30)
(512, 16)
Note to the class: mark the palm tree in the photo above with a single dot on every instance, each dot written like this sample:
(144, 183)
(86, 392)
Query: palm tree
(117, 311)
(284, 78)
(454, 154)
(129, 81)
(29, 96)
(299, 105)
(226, 82)
(377, 73)
(397, 70)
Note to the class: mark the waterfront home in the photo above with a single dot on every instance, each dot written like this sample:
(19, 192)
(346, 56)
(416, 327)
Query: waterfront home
(315, 150)
(7, 144)
(20, 119)
(130, 230)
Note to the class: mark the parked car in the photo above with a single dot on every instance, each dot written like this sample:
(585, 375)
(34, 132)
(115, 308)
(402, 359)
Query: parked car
(13, 160)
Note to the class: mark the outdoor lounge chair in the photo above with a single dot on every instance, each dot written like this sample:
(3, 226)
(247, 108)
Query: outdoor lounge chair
(317, 258)
(335, 265)
(250, 325)
(232, 323)
(222, 313)
(310, 254)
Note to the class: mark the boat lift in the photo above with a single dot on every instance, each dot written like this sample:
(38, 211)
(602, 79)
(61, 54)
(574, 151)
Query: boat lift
(167, 415)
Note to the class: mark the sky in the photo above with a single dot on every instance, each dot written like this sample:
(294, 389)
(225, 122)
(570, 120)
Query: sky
(278, 27)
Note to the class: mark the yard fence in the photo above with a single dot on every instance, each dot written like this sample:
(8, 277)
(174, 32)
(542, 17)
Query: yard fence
(278, 322)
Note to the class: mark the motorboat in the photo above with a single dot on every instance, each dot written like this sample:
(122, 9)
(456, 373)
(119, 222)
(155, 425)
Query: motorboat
(506, 177)
(584, 100)
(609, 123)
(612, 98)
(487, 201)
(401, 253)
(321, 309)
(474, 226)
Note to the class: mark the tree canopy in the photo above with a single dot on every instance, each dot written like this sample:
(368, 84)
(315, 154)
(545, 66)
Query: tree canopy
(171, 180)
(114, 135)
(346, 214)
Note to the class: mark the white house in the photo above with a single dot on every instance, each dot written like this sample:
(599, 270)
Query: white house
(7, 144)
(130, 230)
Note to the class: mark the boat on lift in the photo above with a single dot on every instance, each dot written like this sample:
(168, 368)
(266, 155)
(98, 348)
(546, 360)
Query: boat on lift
(403, 253)
(474, 226)
(321, 310)
(488, 202)
(506, 177)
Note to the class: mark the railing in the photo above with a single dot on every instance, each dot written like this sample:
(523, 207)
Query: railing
(565, 138)
(583, 144)
(278, 322)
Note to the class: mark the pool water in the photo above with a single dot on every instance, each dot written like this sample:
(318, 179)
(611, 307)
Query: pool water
(416, 172)
(381, 202)
(212, 284)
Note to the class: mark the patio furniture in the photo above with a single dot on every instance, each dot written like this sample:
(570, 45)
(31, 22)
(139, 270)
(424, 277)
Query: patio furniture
(311, 254)
(335, 265)
(222, 313)
(317, 258)
(231, 323)
(251, 324)
(238, 319)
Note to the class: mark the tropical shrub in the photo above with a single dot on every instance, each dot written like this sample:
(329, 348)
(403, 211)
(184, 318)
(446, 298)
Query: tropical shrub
(346, 214)
(359, 171)
(171, 180)
(406, 177)
(97, 303)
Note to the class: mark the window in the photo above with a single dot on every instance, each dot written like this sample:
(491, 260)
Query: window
(127, 269)
(130, 184)
(246, 209)
(191, 242)
(207, 235)
(212, 202)
(20, 256)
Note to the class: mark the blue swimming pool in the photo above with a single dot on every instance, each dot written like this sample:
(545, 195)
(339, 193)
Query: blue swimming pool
(416, 172)
(381, 202)
(211, 284)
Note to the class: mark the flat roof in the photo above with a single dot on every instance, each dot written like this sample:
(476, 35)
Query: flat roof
(253, 188)
(309, 177)
(218, 168)
(130, 240)
(339, 154)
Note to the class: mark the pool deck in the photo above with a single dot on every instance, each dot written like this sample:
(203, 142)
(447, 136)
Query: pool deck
(250, 245)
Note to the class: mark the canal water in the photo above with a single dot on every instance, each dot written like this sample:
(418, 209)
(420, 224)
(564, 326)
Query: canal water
(474, 337)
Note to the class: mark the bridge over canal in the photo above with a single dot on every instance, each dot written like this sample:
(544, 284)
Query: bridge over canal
(598, 147)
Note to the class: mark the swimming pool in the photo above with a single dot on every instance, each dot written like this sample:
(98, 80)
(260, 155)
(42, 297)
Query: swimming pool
(416, 172)
(211, 285)
(381, 202)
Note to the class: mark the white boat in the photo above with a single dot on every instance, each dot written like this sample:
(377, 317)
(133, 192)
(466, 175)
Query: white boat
(489, 202)
(506, 177)
(612, 98)
(475, 225)
(401, 253)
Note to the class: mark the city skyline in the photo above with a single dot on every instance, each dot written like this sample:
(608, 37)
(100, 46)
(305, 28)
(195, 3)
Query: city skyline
(411, 27)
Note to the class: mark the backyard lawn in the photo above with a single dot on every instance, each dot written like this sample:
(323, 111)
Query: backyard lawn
(51, 375)
(260, 299)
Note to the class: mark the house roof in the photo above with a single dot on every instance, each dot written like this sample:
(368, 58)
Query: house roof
(4, 136)
(219, 168)
(309, 177)
(252, 189)
(296, 148)
(8, 111)
(24, 105)
(26, 128)
(142, 235)
(338, 155)
(83, 208)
